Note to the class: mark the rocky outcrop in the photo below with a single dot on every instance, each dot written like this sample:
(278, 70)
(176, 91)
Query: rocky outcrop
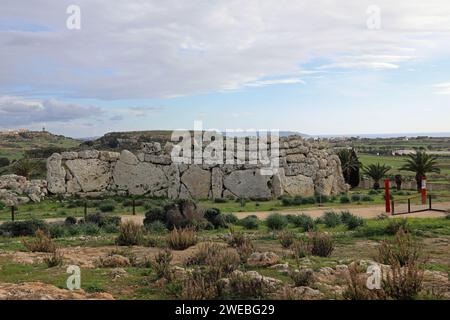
(42, 291)
(306, 168)
(16, 190)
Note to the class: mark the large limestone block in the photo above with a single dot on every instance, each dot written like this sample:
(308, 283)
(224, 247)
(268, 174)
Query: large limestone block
(248, 184)
(56, 174)
(91, 174)
(126, 157)
(298, 186)
(197, 182)
(172, 173)
(325, 186)
(139, 179)
(216, 183)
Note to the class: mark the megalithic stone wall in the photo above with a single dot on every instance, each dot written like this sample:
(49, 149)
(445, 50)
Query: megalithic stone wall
(306, 168)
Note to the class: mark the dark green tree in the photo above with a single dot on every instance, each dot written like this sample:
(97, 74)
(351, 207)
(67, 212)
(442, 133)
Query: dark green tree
(350, 166)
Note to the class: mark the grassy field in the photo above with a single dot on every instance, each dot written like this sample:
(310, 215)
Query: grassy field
(141, 280)
(396, 162)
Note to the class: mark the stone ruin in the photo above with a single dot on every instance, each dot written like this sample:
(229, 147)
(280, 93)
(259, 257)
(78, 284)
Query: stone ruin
(306, 168)
(15, 190)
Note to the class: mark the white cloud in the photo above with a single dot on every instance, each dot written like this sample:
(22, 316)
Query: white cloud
(16, 111)
(147, 49)
(263, 83)
(442, 88)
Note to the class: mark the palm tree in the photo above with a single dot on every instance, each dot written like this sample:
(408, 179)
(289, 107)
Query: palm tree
(421, 163)
(376, 172)
(350, 166)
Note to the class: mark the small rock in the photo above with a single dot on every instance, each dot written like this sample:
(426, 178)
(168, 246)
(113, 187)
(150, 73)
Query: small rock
(264, 259)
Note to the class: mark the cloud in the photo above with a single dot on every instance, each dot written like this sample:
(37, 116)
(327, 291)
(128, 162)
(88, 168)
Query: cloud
(16, 111)
(263, 83)
(152, 49)
(442, 88)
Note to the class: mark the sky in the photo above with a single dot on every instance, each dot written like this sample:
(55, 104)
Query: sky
(317, 67)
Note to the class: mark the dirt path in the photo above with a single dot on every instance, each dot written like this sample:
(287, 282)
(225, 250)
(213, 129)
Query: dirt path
(367, 212)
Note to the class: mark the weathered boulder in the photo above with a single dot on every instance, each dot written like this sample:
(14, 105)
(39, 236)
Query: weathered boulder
(264, 259)
(16, 190)
(140, 178)
(248, 184)
(298, 185)
(197, 181)
(56, 174)
(90, 174)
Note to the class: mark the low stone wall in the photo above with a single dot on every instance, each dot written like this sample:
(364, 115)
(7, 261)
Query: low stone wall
(306, 168)
(16, 190)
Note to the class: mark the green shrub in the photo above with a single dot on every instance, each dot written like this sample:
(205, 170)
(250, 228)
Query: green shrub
(57, 231)
(366, 198)
(90, 229)
(276, 221)
(250, 222)
(101, 219)
(231, 218)
(156, 227)
(293, 201)
(23, 228)
(137, 203)
(321, 198)
(373, 192)
(351, 221)
(110, 228)
(344, 199)
(2, 205)
(303, 221)
(356, 197)
(70, 221)
(331, 219)
(321, 244)
(220, 200)
(215, 217)
(309, 200)
(395, 225)
(155, 214)
(107, 205)
(4, 162)
(130, 234)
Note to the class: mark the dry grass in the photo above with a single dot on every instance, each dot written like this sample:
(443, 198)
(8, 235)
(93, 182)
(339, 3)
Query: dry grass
(302, 277)
(286, 238)
(130, 234)
(321, 244)
(40, 243)
(54, 259)
(161, 264)
(181, 239)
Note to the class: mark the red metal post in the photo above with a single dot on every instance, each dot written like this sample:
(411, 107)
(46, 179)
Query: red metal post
(424, 190)
(387, 194)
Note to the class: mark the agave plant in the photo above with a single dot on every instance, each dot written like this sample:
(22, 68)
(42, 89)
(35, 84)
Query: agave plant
(376, 172)
(421, 163)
